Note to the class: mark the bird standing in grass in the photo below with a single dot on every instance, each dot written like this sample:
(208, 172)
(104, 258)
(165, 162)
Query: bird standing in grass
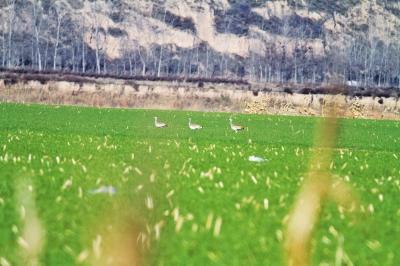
(194, 126)
(234, 127)
(158, 123)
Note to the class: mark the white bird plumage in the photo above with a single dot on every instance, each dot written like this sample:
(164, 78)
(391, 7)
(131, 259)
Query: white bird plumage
(193, 126)
(159, 124)
(234, 127)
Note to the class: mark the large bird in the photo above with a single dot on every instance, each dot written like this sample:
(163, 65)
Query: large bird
(234, 127)
(194, 126)
(159, 124)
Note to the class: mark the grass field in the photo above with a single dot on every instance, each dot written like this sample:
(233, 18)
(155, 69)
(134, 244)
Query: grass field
(194, 196)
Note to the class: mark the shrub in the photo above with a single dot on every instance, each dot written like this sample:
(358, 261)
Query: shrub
(10, 81)
(288, 91)
(305, 91)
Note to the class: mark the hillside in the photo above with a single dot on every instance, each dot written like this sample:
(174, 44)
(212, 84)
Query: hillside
(308, 41)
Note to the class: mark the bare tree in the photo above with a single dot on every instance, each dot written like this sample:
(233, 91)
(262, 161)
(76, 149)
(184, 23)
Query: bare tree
(46, 49)
(283, 62)
(3, 46)
(95, 11)
(59, 13)
(37, 23)
(11, 19)
(207, 60)
(73, 56)
(143, 59)
(397, 62)
(161, 49)
(83, 44)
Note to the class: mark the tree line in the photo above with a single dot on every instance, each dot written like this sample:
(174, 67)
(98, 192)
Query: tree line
(42, 35)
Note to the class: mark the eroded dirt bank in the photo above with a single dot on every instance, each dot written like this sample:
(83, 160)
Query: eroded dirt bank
(198, 96)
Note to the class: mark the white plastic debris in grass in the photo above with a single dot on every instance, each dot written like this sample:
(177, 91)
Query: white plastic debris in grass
(104, 190)
(257, 159)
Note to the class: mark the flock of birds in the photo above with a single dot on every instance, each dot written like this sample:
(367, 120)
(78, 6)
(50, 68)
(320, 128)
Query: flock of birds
(193, 126)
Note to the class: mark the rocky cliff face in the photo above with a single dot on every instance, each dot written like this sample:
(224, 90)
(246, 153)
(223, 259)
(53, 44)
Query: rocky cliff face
(298, 41)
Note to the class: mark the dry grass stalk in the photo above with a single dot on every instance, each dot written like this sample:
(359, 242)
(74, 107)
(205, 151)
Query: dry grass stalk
(317, 188)
(117, 239)
(31, 240)
(118, 248)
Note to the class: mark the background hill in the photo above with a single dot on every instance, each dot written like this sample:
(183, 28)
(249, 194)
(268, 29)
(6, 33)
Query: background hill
(309, 41)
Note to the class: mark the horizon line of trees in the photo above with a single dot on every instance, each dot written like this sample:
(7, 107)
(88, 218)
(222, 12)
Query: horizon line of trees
(53, 41)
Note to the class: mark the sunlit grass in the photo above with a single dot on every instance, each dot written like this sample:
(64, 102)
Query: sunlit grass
(193, 196)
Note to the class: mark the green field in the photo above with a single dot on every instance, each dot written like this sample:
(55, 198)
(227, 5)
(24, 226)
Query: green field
(190, 182)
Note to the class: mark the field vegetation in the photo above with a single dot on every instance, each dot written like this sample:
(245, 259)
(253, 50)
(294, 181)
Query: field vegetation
(179, 197)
